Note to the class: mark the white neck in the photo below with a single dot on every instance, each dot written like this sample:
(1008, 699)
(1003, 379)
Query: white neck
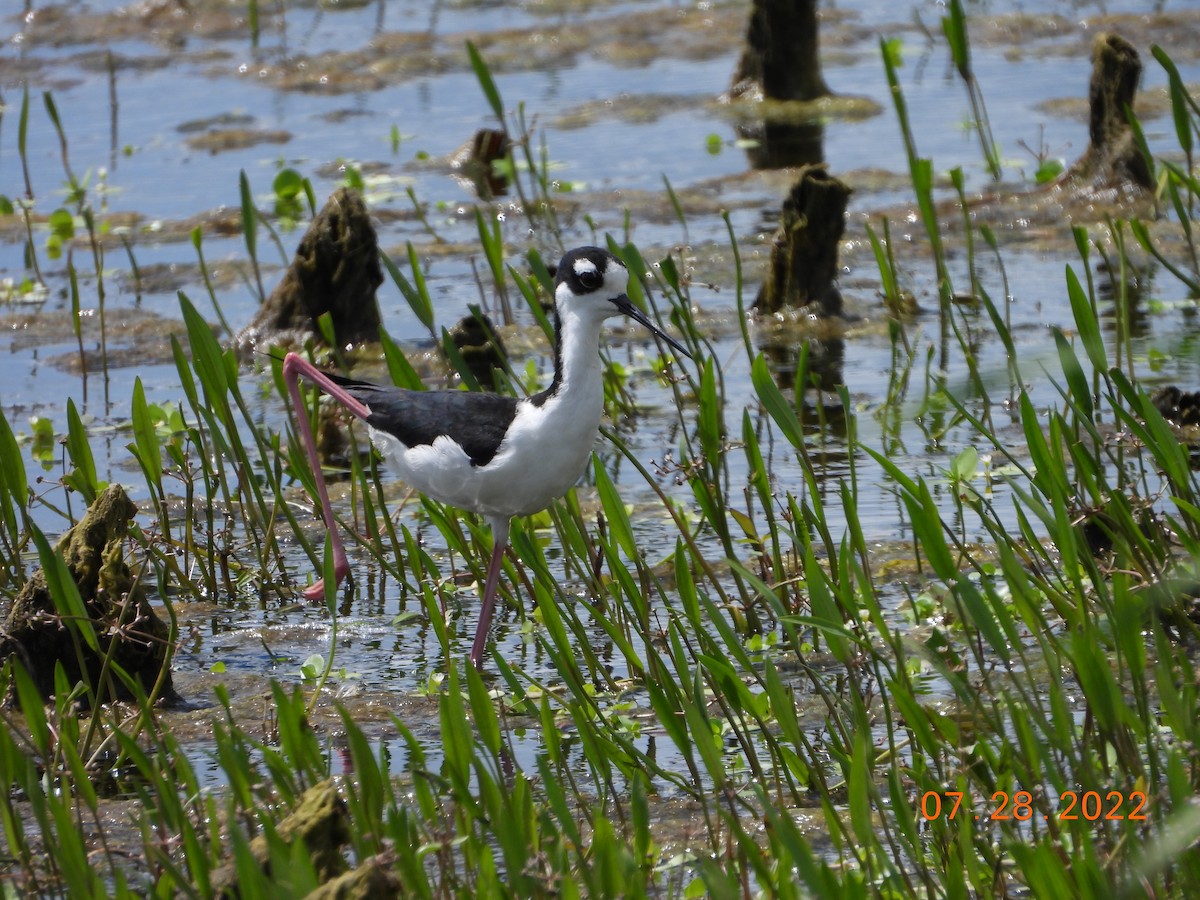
(579, 373)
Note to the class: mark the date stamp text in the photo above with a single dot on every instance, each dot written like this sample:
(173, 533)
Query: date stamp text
(1091, 806)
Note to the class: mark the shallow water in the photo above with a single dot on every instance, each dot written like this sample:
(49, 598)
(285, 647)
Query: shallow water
(611, 160)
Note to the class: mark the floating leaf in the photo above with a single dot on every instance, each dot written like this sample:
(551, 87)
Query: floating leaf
(1048, 170)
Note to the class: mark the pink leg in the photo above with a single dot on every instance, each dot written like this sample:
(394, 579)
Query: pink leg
(293, 367)
(499, 542)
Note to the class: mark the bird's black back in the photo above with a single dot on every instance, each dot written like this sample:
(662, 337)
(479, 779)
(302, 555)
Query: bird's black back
(475, 421)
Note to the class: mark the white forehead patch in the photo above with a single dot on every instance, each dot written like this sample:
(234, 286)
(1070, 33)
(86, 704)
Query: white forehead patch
(583, 265)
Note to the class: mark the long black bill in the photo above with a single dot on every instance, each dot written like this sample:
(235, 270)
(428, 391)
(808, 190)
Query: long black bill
(625, 305)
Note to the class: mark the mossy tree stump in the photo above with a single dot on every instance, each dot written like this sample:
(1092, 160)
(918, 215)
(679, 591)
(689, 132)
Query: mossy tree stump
(475, 163)
(336, 270)
(321, 820)
(1113, 159)
(477, 342)
(781, 60)
(804, 257)
(43, 635)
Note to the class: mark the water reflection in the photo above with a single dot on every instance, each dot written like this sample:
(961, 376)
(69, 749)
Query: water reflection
(1126, 293)
(782, 145)
(812, 370)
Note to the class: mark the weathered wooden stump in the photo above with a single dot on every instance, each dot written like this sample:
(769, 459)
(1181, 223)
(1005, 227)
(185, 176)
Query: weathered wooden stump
(479, 345)
(475, 163)
(374, 879)
(1113, 160)
(336, 270)
(1177, 406)
(321, 820)
(804, 258)
(781, 60)
(37, 631)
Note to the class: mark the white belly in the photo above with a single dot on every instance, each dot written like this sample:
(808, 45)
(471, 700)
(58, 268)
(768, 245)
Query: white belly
(546, 450)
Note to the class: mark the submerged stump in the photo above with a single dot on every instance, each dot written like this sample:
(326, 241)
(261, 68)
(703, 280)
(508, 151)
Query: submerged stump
(374, 879)
(321, 820)
(478, 343)
(1113, 161)
(804, 256)
(1177, 406)
(336, 270)
(42, 635)
(1182, 410)
(475, 163)
(781, 60)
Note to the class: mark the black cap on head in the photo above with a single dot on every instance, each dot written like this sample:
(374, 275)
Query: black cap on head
(583, 268)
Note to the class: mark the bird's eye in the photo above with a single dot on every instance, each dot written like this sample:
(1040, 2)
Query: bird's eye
(590, 280)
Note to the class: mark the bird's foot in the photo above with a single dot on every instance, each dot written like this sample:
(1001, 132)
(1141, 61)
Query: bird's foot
(315, 593)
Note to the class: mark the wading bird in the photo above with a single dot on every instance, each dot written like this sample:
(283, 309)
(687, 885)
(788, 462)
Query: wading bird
(496, 456)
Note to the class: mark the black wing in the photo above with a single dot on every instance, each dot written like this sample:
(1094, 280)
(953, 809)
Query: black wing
(475, 421)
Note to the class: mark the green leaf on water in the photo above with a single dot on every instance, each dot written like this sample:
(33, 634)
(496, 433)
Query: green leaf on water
(311, 668)
(43, 445)
(62, 229)
(287, 184)
(1048, 170)
(289, 193)
(206, 352)
(964, 465)
(714, 144)
(399, 368)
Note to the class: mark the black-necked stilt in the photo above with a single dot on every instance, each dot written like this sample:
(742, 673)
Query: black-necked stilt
(496, 456)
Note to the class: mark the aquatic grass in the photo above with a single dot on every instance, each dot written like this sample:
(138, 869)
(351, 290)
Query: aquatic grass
(416, 293)
(761, 681)
(14, 508)
(492, 242)
(954, 26)
(250, 222)
(62, 232)
(77, 322)
(536, 202)
(419, 210)
(97, 247)
(26, 204)
(1095, 679)
(698, 688)
(252, 22)
(197, 237)
(134, 268)
(885, 261)
(1178, 182)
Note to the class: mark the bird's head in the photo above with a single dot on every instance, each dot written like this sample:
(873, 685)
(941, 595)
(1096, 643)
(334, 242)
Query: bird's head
(592, 281)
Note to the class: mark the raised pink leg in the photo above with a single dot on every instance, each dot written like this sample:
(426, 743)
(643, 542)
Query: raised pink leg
(499, 542)
(294, 366)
